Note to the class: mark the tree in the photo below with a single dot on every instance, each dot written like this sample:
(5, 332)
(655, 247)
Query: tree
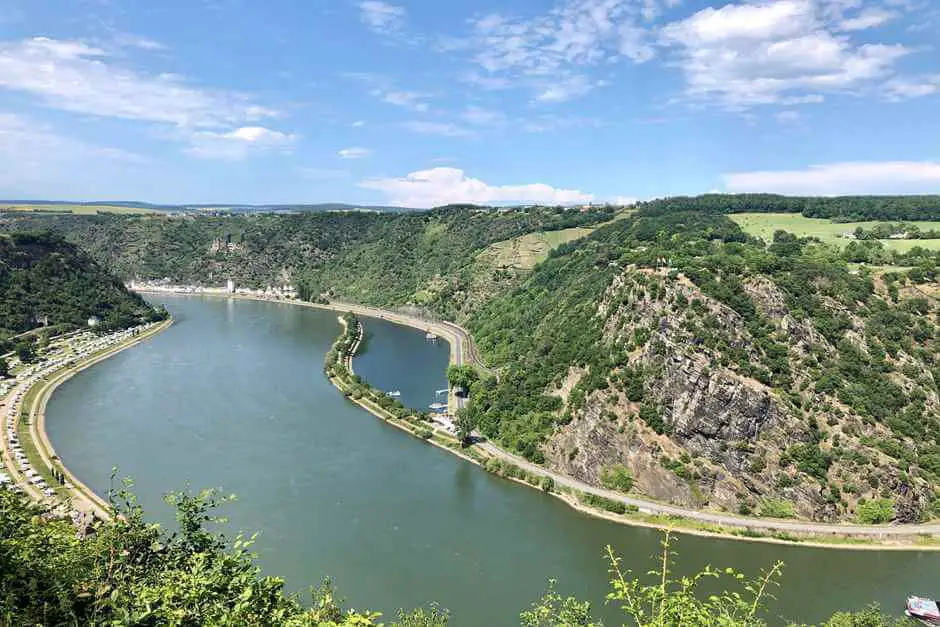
(25, 352)
(462, 376)
(875, 512)
(465, 423)
(4, 368)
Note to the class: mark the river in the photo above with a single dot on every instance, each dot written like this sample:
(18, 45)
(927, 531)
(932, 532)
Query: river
(233, 395)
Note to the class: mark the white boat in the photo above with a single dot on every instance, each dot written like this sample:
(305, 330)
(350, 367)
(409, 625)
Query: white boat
(438, 406)
(430, 336)
(394, 394)
(923, 610)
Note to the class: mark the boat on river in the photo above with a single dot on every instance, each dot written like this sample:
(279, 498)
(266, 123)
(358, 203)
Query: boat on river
(394, 394)
(923, 610)
(438, 406)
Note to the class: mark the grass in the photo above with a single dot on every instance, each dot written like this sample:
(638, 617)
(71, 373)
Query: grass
(763, 225)
(78, 209)
(527, 250)
(524, 252)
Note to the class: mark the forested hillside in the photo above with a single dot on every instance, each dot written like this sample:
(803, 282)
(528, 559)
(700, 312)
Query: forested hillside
(45, 280)
(674, 355)
(425, 259)
(840, 208)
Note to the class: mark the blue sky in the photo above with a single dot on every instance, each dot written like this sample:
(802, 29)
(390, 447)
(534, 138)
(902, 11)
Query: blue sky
(424, 102)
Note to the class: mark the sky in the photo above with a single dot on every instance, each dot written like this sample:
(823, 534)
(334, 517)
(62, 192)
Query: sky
(425, 102)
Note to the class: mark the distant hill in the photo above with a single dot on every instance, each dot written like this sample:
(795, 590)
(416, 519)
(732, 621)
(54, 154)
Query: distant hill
(226, 207)
(44, 279)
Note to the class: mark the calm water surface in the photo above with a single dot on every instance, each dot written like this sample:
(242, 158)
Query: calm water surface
(233, 395)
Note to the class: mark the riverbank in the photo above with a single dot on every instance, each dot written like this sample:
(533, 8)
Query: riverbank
(40, 453)
(623, 508)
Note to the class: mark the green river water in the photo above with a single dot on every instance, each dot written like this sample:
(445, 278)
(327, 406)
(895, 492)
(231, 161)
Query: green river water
(233, 395)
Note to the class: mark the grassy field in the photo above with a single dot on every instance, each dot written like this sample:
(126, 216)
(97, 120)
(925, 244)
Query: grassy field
(763, 225)
(522, 253)
(526, 251)
(77, 209)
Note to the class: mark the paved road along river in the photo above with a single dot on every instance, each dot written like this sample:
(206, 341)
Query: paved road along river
(233, 395)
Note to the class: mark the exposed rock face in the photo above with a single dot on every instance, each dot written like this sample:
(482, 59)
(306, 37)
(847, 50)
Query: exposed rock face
(729, 440)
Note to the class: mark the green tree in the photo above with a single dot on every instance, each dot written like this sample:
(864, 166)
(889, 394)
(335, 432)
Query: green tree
(25, 352)
(465, 422)
(875, 512)
(4, 368)
(617, 477)
(462, 376)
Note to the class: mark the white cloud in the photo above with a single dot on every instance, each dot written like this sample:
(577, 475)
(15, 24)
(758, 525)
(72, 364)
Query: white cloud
(481, 116)
(444, 129)
(788, 117)
(624, 201)
(73, 76)
(757, 22)
(869, 18)
(237, 143)
(354, 152)
(550, 122)
(860, 177)
(912, 87)
(382, 17)
(441, 186)
(136, 41)
(564, 89)
(551, 54)
(407, 99)
(747, 54)
(358, 124)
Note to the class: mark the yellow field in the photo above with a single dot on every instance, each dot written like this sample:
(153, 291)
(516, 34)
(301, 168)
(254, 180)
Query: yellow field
(78, 209)
(763, 225)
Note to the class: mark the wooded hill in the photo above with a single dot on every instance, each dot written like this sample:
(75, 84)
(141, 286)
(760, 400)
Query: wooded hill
(838, 208)
(46, 280)
(717, 370)
(424, 258)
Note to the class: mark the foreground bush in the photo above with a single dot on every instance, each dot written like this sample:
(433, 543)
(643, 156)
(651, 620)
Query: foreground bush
(131, 572)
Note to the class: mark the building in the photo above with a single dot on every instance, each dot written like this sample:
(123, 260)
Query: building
(230, 286)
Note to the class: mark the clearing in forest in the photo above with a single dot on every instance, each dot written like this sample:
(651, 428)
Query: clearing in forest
(763, 225)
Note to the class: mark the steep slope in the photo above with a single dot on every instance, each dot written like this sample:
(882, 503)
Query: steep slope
(719, 372)
(44, 279)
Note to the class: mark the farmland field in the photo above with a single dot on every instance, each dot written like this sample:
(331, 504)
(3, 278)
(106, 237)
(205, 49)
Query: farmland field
(763, 225)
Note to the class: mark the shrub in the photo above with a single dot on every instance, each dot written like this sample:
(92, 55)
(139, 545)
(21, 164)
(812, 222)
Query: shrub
(875, 512)
(617, 477)
(776, 508)
(652, 417)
